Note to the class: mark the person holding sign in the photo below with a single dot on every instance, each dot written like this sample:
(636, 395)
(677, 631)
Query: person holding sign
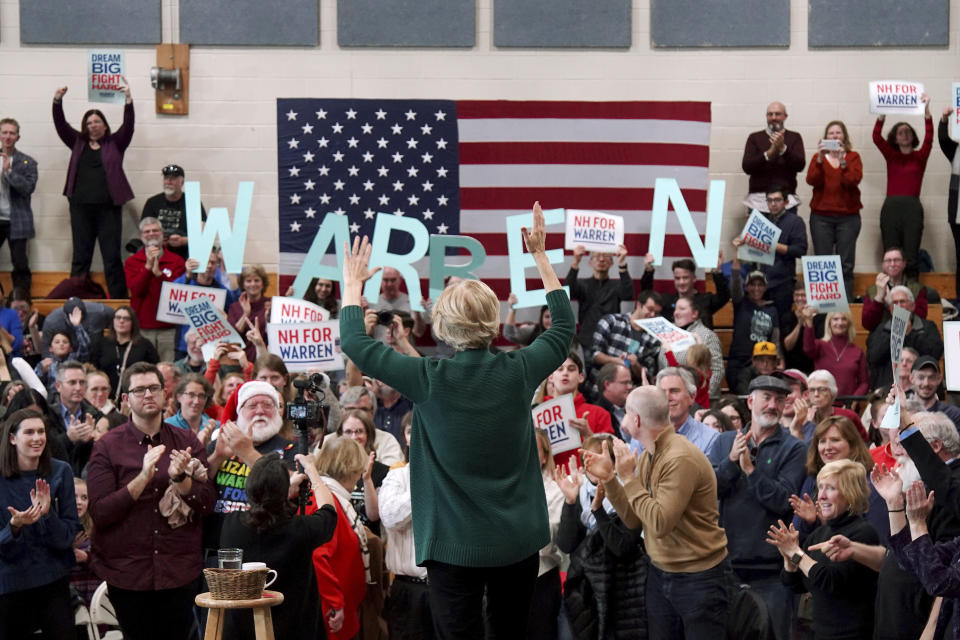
(901, 217)
(835, 174)
(467, 447)
(96, 187)
(949, 147)
(599, 295)
(252, 309)
(754, 318)
(922, 335)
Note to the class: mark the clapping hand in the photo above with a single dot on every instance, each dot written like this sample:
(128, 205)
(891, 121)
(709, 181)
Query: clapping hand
(785, 539)
(804, 508)
(178, 462)
(888, 484)
(919, 504)
(150, 459)
(626, 459)
(568, 480)
(598, 464)
(39, 506)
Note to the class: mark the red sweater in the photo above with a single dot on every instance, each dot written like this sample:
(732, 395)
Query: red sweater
(340, 575)
(845, 360)
(905, 170)
(836, 191)
(598, 419)
(145, 287)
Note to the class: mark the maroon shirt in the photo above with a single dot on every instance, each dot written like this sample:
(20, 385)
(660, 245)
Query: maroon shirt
(134, 547)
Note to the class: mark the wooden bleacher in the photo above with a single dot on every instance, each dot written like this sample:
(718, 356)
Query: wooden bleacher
(44, 281)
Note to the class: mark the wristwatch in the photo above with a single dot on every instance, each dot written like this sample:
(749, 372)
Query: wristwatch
(797, 557)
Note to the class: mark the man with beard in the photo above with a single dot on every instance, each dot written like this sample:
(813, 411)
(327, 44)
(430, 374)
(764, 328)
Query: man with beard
(758, 469)
(170, 208)
(240, 444)
(152, 566)
(926, 378)
(902, 606)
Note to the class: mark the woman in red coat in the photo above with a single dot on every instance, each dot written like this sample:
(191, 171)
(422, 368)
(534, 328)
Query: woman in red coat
(835, 176)
(341, 563)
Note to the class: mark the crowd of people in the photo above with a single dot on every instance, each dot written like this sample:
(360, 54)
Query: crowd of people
(785, 507)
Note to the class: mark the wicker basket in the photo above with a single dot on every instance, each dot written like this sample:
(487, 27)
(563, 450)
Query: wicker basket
(235, 584)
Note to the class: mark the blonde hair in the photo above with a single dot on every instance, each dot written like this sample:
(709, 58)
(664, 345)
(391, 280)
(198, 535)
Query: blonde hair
(467, 315)
(851, 482)
(255, 270)
(851, 328)
(543, 445)
(698, 357)
(341, 458)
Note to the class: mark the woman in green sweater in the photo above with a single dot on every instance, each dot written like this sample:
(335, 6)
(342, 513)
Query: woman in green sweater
(479, 515)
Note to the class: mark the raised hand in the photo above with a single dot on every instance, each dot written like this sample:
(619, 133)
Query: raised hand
(59, 93)
(785, 539)
(535, 239)
(40, 496)
(356, 262)
(888, 484)
(368, 470)
(178, 462)
(597, 502)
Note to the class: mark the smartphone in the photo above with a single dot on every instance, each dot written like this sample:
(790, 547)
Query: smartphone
(832, 144)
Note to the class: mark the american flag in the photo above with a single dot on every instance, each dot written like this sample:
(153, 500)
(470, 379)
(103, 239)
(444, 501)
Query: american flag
(464, 166)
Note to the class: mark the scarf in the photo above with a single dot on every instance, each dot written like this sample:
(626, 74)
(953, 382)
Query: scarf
(343, 497)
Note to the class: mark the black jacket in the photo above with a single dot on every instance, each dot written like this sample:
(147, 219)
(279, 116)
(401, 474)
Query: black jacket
(924, 337)
(843, 592)
(604, 590)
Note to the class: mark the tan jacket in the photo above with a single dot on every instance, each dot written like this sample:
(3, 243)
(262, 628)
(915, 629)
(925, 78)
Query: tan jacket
(674, 498)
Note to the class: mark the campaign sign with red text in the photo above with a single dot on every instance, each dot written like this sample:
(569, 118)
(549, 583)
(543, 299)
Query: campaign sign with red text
(307, 346)
(823, 278)
(284, 310)
(553, 416)
(666, 332)
(211, 325)
(173, 296)
(105, 76)
(896, 96)
(593, 230)
(760, 238)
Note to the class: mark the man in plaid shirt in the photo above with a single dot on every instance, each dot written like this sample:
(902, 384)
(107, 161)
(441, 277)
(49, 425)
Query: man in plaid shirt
(617, 340)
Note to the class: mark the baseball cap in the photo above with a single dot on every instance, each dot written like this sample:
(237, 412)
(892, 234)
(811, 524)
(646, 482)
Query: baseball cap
(791, 375)
(172, 170)
(764, 349)
(754, 275)
(926, 361)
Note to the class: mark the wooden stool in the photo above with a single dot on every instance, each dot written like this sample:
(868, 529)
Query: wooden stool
(262, 621)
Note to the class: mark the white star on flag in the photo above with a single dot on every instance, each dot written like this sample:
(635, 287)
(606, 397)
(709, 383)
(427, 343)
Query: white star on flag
(368, 186)
(442, 200)
(411, 115)
(412, 143)
(412, 172)
(354, 199)
(337, 127)
(397, 129)
(294, 226)
(442, 228)
(339, 211)
(426, 129)
(440, 115)
(367, 127)
(308, 156)
(293, 143)
(321, 115)
(441, 144)
(428, 214)
(352, 142)
(381, 114)
(311, 212)
(382, 143)
(354, 227)
(384, 200)
(368, 157)
(397, 157)
(323, 142)
(338, 185)
(353, 171)
(324, 199)
(291, 115)
(369, 214)
(413, 200)
(324, 170)
(307, 128)
(398, 186)
(295, 198)
(427, 186)
(308, 185)
(351, 114)
(398, 212)
(294, 172)
(427, 158)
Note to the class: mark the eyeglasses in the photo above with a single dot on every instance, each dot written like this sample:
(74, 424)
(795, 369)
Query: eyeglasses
(139, 392)
(774, 199)
(123, 318)
(263, 404)
(195, 396)
(354, 432)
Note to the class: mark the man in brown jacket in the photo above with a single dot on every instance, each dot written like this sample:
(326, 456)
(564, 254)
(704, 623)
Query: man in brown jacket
(670, 491)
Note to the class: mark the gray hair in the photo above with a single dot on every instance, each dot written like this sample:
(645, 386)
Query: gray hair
(684, 375)
(67, 366)
(148, 220)
(823, 376)
(650, 405)
(902, 289)
(938, 426)
(353, 394)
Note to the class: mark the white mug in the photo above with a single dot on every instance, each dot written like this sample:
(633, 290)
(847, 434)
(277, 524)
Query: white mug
(253, 566)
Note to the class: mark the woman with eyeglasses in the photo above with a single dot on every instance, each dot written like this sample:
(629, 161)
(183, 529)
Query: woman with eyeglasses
(122, 347)
(358, 426)
(96, 187)
(822, 391)
(194, 394)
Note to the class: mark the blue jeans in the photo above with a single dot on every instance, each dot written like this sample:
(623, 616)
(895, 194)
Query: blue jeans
(837, 235)
(688, 605)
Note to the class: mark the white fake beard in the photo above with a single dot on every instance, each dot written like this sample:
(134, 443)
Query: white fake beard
(908, 472)
(264, 428)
